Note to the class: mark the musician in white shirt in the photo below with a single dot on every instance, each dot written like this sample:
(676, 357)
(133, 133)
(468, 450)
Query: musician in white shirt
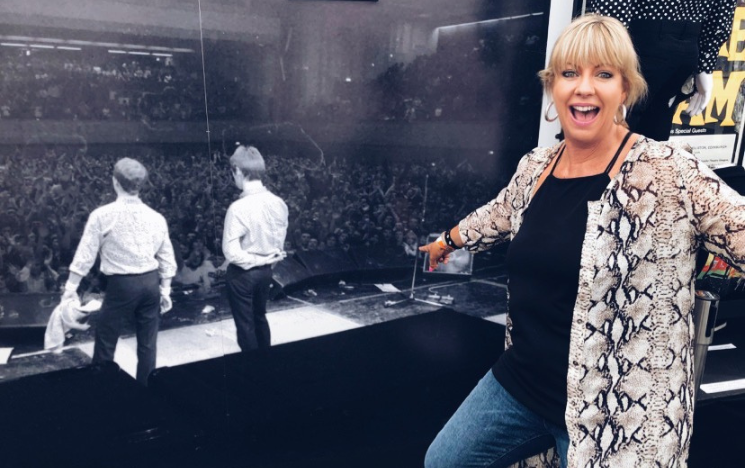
(253, 241)
(137, 257)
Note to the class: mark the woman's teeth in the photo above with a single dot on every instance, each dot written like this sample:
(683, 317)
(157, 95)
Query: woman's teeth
(584, 112)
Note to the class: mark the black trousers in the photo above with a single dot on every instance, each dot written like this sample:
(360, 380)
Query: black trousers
(127, 297)
(248, 292)
(668, 55)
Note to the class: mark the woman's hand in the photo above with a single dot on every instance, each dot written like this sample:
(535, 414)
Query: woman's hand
(437, 254)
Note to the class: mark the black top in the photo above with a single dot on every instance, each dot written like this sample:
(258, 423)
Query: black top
(543, 262)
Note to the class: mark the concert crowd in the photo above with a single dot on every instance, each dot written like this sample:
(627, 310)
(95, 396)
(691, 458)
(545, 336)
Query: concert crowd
(47, 193)
(57, 85)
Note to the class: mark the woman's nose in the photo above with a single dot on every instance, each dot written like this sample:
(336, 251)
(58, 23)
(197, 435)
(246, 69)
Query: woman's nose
(585, 85)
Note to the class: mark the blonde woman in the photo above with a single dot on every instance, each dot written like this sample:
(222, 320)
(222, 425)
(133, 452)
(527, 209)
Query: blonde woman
(604, 228)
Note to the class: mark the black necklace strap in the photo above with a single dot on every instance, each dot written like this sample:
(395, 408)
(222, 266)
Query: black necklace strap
(556, 161)
(618, 152)
(610, 165)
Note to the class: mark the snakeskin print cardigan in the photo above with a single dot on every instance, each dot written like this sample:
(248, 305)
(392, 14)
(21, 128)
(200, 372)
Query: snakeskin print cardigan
(630, 379)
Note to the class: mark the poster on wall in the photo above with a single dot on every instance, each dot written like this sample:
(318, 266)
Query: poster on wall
(716, 135)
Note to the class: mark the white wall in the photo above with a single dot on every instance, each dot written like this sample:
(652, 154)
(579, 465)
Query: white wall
(560, 17)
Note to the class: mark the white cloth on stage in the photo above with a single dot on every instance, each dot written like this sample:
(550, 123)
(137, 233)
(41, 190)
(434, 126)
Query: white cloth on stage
(65, 317)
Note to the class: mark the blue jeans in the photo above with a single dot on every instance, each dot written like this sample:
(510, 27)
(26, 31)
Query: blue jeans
(492, 429)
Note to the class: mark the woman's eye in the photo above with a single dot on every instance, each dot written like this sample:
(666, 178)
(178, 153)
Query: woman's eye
(569, 73)
(605, 75)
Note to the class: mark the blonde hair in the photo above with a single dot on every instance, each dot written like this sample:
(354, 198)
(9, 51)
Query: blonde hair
(597, 40)
(130, 174)
(249, 161)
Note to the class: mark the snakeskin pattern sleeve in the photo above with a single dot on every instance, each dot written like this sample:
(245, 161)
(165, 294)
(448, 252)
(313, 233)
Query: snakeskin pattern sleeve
(718, 210)
(499, 220)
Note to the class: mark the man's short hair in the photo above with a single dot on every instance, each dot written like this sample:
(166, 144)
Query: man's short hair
(249, 161)
(130, 174)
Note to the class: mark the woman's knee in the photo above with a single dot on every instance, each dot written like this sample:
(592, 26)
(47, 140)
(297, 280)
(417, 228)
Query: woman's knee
(438, 456)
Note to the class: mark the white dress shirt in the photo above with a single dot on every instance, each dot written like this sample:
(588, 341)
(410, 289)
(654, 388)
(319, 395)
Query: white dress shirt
(255, 228)
(131, 238)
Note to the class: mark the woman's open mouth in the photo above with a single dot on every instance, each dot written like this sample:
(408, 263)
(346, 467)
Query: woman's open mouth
(584, 114)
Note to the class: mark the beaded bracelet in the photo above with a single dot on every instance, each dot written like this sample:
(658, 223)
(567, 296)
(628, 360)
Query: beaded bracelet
(449, 241)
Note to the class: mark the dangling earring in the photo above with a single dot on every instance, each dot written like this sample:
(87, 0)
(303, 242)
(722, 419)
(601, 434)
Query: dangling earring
(545, 114)
(624, 111)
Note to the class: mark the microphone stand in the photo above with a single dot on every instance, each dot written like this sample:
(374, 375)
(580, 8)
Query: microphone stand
(412, 297)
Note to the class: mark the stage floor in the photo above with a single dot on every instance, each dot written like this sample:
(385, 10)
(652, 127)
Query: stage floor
(202, 328)
(199, 329)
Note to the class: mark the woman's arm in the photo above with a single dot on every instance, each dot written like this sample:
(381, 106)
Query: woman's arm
(439, 250)
(718, 212)
(488, 225)
(491, 224)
